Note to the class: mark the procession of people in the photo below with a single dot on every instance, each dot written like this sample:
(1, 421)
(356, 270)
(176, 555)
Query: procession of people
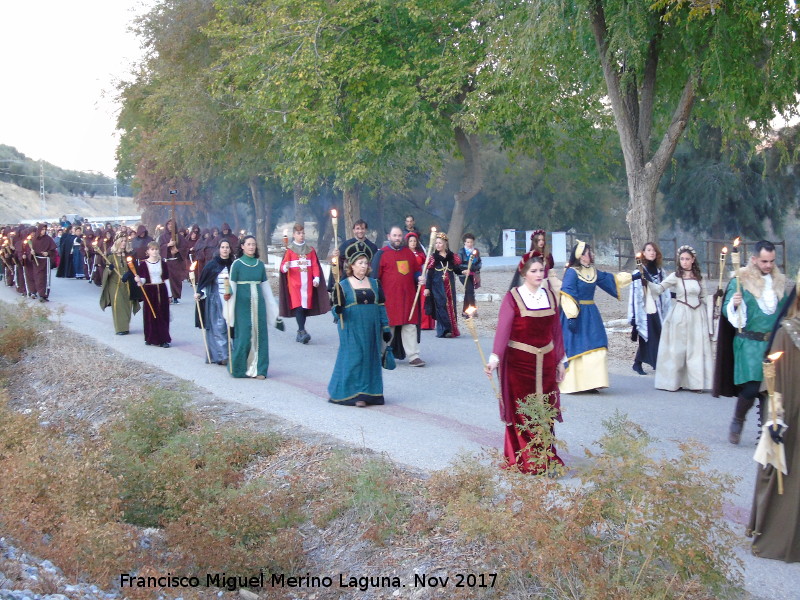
(550, 338)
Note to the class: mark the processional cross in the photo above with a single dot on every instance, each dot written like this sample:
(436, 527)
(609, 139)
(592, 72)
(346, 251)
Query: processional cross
(172, 203)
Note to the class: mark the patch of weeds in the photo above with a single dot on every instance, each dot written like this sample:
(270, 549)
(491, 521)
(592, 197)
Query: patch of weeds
(20, 326)
(539, 417)
(366, 487)
(637, 527)
(244, 528)
(58, 500)
(167, 464)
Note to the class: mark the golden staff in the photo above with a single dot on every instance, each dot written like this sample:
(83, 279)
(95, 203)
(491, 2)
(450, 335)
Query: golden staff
(736, 261)
(197, 304)
(30, 245)
(722, 256)
(769, 377)
(336, 260)
(424, 273)
(132, 267)
(474, 333)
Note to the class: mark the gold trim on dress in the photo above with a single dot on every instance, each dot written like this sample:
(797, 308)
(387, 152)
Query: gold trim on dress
(534, 312)
(539, 352)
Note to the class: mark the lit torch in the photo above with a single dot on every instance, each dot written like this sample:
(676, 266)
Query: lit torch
(30, 245)
(736, 261)
(336, 263)
(773, 398)
(722, 256)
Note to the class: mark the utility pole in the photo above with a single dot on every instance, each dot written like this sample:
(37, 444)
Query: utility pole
(42, 201)
(116, 200)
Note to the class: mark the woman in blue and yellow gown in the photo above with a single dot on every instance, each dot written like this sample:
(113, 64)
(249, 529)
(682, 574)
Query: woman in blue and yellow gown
(363, 326)
(585, 338)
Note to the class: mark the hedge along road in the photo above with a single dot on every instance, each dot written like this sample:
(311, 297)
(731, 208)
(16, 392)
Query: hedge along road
(433, 414)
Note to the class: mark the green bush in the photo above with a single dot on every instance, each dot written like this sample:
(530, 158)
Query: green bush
(635, 528)
(167, 465)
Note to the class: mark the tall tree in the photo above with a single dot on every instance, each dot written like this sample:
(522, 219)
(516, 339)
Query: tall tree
(655, 63)
(727, 192)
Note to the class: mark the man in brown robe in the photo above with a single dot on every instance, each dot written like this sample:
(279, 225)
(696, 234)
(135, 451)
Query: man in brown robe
(174, 250)
(44, 249)
(775, 518)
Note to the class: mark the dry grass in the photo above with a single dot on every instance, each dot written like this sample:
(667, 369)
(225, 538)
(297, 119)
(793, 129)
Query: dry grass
(227, 500)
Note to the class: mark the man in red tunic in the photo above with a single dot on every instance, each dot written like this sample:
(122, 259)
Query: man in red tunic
(300, 292)
(395, 266)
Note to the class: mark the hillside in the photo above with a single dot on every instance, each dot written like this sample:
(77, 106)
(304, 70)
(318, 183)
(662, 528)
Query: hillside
(18, 204)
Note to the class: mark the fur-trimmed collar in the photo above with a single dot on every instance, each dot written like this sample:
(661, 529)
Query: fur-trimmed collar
(753, 281)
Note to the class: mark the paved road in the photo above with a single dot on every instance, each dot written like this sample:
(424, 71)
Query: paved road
(435, 413)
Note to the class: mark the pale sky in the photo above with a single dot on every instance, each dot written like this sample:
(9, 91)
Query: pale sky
(59, 61)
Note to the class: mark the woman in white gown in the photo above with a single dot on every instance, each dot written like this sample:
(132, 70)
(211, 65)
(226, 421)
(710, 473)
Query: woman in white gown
(685, 358)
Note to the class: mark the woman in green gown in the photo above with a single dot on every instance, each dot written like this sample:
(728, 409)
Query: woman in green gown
(115, 290)
(253, 306)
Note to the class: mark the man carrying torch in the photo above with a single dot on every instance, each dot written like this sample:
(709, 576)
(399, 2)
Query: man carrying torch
(753, 310)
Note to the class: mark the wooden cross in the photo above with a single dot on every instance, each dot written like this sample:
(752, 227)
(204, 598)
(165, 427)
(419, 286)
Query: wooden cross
(172, 203)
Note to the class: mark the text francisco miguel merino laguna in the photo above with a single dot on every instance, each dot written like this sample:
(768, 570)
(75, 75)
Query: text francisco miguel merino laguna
(233, 582)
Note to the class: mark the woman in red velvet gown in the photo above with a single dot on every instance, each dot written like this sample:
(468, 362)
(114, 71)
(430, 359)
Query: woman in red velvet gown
(529, 353)
(412, 241)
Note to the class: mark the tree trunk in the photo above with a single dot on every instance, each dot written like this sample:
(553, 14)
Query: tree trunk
(380, 224)
(352, 206)
(299, 211)
(471, 183)
(642, 188)
(259, 212)
(324, 231)
(633, 117)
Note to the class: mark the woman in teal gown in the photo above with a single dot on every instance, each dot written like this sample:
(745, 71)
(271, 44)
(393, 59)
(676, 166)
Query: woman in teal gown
(253, 307)
(363, 327)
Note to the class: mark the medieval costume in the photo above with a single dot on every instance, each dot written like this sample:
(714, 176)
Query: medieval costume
(176, 254)
(27, 261)
(473, 282)
(89, 253)
(104, 248)
(397, 270)
(44, 249)
(214, 283)
(441, 283)
(685, 358)
(763, 297)
(536, 250)
(427, 322)
(66, 268)
(301, 295)
(357, 376)
(139, 243)
(7, 255)
(585, 337)
(364, 246)
(253, 307)
(157, 290)
(528, 346)
(119, 291)
(226, 234)
(775, 518)
(647, 309)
